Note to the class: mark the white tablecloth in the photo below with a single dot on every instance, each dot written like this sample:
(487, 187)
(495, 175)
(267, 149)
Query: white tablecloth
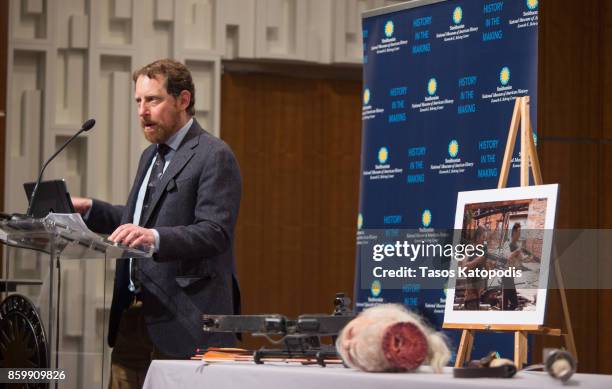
(196, 374)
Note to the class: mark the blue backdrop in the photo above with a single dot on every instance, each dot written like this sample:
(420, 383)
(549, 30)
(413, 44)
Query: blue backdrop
(440, 78)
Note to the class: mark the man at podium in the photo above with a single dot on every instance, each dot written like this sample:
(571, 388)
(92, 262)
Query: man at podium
(184, 202)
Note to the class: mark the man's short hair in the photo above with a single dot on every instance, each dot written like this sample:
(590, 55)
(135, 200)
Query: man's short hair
(516, 227)
(178, 78)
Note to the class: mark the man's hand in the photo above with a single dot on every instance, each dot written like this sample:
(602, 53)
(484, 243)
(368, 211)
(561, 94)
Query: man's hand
(133, 236)
(81, 204)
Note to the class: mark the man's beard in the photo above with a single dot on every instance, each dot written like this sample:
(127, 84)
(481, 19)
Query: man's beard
(159, 135)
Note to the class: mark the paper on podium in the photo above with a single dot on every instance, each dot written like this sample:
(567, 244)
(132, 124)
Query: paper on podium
(68, 235)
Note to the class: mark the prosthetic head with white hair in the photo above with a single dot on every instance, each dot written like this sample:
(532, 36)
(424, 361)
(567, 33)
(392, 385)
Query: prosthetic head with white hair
(388, 337)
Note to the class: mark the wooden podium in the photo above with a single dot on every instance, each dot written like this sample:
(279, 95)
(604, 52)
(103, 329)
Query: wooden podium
(529, 158)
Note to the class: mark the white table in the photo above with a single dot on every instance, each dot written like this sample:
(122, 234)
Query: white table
(196, 374)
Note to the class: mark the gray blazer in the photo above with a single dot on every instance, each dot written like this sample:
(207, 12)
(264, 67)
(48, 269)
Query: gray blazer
(193, 272)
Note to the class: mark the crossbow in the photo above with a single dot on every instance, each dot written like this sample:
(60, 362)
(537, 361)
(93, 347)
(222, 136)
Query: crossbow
(301, 337)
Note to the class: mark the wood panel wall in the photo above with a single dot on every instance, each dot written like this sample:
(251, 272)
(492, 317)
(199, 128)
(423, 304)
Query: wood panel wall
(298, 142)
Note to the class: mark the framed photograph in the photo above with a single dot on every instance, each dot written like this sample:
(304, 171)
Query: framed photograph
(505, 280)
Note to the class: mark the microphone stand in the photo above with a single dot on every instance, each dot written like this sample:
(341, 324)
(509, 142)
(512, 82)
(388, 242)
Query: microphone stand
(85, 127)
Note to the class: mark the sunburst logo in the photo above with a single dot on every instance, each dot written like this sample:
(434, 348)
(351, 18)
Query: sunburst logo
(532, 4)
(432, 86)
(504, 76)
(453, 148)
(366, 96)
(389, 27)
(383, 155)
(426, 218)
(458, 15)
(376, 288)
(359, 221)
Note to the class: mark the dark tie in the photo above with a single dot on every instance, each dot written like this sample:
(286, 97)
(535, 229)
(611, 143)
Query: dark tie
(154, 178)
(156, 174)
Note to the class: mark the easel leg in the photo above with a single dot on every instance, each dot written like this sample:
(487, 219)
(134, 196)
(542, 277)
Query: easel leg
(525, 135)
(520, 349)
(525, 347)
(533, 158)
(465, 348)
(569, 336)
(514, 124)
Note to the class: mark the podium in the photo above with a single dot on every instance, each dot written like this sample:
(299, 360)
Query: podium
(55, 296)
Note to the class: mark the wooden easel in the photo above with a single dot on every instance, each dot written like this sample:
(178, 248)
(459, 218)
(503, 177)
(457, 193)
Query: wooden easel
(529, 157)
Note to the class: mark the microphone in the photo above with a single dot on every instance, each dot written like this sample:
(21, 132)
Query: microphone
(88, 125)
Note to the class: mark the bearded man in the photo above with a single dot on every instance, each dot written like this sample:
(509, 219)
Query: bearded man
(184, 203)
